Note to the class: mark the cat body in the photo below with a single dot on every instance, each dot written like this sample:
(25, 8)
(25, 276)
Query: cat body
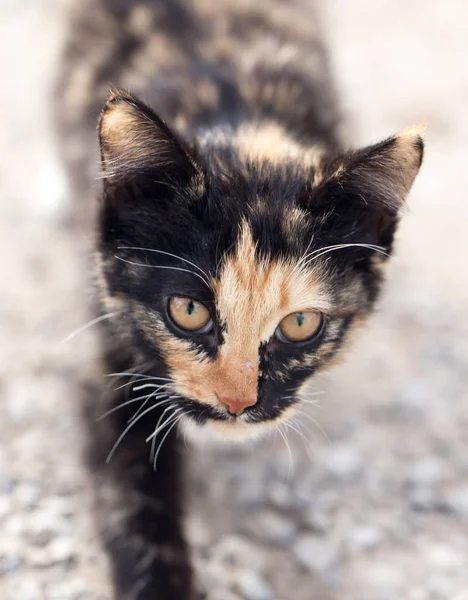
(238, 246)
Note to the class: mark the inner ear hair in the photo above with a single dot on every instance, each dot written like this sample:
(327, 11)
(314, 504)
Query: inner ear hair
(134, 139)
(383, 173)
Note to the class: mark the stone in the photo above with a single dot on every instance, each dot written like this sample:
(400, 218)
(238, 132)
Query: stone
(423, 498)
(343, 462)
(364, 537)
(252, 586)
(9, 563)
(237, 551)
(456, 500)
(315, 553)
(61, 549)
(426, 471)
(26, 494)
(272, 527)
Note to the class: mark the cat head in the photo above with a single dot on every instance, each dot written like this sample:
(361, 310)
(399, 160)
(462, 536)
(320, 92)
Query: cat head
(242, 261)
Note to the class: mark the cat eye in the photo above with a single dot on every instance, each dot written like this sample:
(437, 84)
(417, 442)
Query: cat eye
(189, 315)
(300, 326)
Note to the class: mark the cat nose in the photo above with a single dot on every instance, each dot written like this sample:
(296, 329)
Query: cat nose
(236, 406)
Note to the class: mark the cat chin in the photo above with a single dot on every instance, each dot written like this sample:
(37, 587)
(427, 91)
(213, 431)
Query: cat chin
(230, 431)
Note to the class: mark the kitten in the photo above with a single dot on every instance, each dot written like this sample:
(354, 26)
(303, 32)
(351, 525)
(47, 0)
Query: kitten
(238, 245)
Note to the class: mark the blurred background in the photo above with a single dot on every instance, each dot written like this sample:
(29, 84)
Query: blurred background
(375, 505)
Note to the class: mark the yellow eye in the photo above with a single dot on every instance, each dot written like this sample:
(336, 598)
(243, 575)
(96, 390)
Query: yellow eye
(189, 314)
(299, 326)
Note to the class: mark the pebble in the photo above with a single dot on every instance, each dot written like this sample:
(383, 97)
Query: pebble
(9, 563)
(315, 553)
(5, 506)
(380, 576)
(364, 537)
(423, 498)
(26, 589)
(412, 400)
(68, 590)
(252, 586)
(222, 594)
(26, 494)
(237, 551)
(456, 500)
(6, 484)
(319, 515)
(19, 401)
(61, 549)
(443, 557)
(426, 471)
(343, 462)
(272, 527)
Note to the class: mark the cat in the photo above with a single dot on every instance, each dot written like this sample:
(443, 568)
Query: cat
(239, 246)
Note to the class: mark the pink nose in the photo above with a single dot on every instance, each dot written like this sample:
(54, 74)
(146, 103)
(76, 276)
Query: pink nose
(237, 406)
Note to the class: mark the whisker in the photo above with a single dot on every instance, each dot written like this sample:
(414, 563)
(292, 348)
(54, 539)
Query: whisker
(122, 405)
(126, 430)
(131, 382)
(160, 427)
(316, 423)
(292, 424)
(160, 404)
(131, 262)
(164, 439)
(88, 325)
(167, 254)
(153, 435)
(144, 386)
(317, 254)
(285, 439)
(128, 374)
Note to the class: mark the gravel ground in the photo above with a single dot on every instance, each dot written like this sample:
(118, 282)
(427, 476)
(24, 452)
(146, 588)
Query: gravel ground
(374, 506)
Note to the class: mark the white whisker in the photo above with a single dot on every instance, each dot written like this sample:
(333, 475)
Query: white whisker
(292, 424)
(131, 382)
(285, 439)
(145, 386)
(316, 423)
(122, 405)
(322, 251)
(126, 430)
(160, 426)
(128, 374)
(131, 262)
(164, 439)
(160, 404)
(89, 324)
(167, 254)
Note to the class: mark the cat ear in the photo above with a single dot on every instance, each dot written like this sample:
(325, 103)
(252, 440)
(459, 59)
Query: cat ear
(135, 142)
(368, 187)
(383, 173)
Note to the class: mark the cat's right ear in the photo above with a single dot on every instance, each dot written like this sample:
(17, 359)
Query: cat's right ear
(137, 145)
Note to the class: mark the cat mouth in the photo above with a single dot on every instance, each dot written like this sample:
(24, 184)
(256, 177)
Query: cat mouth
(249, 424)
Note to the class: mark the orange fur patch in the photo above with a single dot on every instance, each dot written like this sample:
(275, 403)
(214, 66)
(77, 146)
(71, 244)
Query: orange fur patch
(252, 297)
(270, 141)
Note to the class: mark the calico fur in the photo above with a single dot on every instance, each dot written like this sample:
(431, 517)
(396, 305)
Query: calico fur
(235, 193)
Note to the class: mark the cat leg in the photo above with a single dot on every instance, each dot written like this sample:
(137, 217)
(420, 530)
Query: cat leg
(139, 508)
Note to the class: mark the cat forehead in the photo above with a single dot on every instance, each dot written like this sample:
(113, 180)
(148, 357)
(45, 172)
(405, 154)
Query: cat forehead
(253, 293)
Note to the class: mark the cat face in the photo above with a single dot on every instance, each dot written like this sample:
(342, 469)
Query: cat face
(242, 263)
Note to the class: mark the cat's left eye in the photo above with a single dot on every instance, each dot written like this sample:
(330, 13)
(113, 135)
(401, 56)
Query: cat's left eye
(300, 326)
(189, 315)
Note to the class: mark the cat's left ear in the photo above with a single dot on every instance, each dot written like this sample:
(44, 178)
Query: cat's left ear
(135, 142)
(367, 187)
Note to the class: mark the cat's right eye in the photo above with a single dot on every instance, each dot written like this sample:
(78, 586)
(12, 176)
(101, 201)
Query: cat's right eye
(189, 314)
(300, 326)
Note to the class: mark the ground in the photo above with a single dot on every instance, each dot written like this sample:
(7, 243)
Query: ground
(374, 508)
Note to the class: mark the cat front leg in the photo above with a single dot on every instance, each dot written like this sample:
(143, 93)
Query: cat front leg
(139, 510)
